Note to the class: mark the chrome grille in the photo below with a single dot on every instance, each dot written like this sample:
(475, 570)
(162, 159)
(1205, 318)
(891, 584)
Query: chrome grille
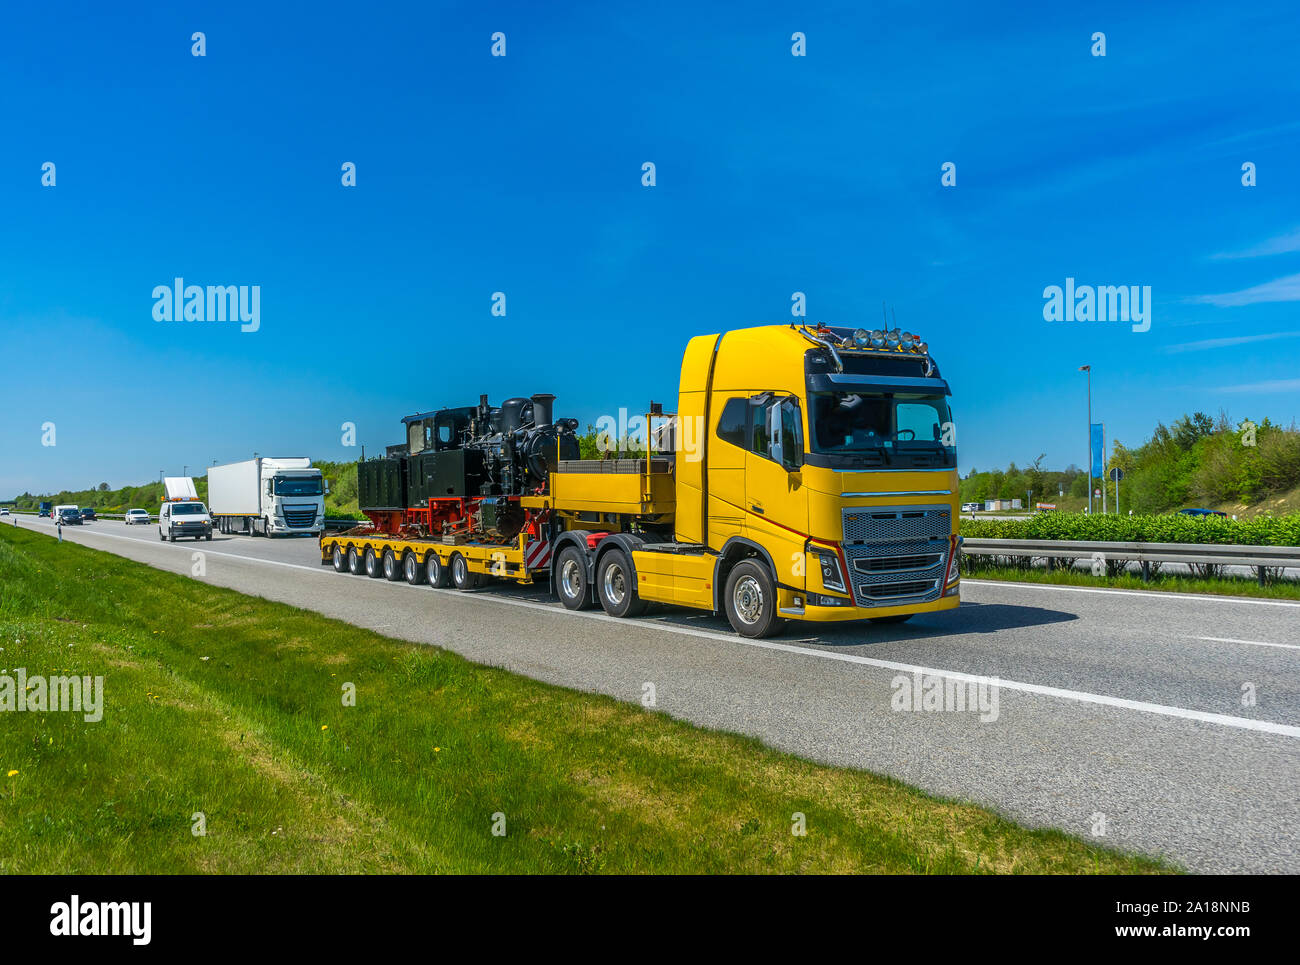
(300, 517)
(897, 554)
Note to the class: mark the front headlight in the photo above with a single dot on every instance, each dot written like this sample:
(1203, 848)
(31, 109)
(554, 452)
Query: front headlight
(832, 576)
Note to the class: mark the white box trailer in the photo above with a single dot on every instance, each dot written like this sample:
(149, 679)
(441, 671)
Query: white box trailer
(268, 495)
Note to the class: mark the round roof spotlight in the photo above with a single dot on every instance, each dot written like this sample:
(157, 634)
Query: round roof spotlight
(892, 338)
(877, 338)
(923, 348)
(861, 339)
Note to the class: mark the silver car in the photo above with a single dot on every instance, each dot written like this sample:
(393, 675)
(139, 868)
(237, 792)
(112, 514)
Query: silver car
(134, 516)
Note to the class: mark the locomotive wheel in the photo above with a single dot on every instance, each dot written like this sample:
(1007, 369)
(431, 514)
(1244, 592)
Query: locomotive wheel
(435, 574)
(571, 579)
(615, 585)
(412, 569)
(461, 577)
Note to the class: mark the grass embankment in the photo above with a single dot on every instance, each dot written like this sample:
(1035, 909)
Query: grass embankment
(231, 706)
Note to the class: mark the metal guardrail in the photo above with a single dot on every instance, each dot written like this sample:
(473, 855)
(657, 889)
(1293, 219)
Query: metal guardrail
(331, 522)
(1192, 554)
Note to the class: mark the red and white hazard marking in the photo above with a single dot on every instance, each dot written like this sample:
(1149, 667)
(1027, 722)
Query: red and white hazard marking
(537, 554)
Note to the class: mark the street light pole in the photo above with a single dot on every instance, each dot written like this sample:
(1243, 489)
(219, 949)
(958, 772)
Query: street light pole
(1088, 369)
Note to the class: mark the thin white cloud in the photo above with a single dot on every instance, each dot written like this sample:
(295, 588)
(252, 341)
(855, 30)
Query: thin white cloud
(1275, 385)
(1227, 342)
(1281, 245)
(1279, 290)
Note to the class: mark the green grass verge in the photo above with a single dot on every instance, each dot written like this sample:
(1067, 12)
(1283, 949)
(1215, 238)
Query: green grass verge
(231, 706)
(1220, 586)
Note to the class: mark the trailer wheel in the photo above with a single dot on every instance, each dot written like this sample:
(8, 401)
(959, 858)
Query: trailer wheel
(338, 559)
(615, 585)
(571, 579)
(354, 561)
(373, 568)
(461, 577)
(435, 574)
(392, 569)
(751, 600)
(411, 569)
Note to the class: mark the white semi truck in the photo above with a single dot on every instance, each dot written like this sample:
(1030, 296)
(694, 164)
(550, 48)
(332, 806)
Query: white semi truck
(268, 496)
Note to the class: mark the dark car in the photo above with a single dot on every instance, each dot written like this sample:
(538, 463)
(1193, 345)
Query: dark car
(1201, 512)
(69, 517)
(88, 512)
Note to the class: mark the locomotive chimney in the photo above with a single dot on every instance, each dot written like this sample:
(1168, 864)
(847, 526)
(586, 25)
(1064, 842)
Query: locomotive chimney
(542, 409)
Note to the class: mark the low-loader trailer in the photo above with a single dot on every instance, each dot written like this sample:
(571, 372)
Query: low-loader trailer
(809, 473)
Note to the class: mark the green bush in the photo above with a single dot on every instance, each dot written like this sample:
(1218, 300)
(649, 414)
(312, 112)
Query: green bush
(1260, 531)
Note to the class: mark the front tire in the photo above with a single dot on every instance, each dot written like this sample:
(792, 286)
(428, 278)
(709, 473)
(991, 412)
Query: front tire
(571, 583)
(750, 599)
(616, 586)
(171, 535)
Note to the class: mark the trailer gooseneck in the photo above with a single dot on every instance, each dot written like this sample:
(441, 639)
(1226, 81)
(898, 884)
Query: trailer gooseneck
(809, 473)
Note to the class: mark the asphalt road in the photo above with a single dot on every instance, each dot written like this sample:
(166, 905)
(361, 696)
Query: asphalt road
(1115, 709)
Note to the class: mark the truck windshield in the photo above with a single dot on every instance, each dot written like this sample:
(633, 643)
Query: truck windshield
(297, 485)
(902, 429)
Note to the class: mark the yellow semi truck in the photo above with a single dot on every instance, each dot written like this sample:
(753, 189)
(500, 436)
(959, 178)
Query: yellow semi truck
(809, 473)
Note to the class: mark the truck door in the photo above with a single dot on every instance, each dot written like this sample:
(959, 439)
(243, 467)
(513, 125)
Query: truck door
(776, 503)
(726, 472)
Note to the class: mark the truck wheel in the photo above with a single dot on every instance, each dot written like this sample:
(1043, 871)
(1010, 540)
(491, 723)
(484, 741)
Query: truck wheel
(171, 535)
(338, 559)
(435, 574)
(354, 561)
(412, 569)
(392, 568)
(751, 601)
(373, 568)
(461, 577)
(161, 537)
(571, 579)
(615, 581)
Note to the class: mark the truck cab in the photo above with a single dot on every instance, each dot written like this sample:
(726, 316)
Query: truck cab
(813, 477)
(293, 498)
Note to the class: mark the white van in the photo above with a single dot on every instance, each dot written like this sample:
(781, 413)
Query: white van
(184, 517)
(73, 507)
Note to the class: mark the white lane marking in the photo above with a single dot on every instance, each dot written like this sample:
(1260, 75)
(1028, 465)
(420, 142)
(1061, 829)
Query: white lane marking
(1077, 696)
(1165, 595)
(1253, 643)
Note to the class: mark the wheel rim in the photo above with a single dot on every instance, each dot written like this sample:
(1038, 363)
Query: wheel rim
(338, 559)
(370, 561)
(571, 578)
(747, 598)
(410, 566)
(352, 559)
(615, 583)
(390, 565)
(433, 567)
(459, 572)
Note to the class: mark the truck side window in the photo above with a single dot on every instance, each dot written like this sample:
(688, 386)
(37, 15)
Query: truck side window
(758, 427)
(732, 424)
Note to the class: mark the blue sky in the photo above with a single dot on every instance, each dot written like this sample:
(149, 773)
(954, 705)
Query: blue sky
(522, 174)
